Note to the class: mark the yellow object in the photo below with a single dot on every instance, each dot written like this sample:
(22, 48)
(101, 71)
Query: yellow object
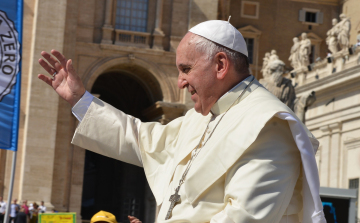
(57, 218)
(103, 216)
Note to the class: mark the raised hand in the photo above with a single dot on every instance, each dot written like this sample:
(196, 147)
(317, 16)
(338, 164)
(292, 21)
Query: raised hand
(65, 81)
(133, 219)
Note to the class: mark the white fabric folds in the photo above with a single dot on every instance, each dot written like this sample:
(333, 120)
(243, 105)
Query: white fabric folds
(312, 208)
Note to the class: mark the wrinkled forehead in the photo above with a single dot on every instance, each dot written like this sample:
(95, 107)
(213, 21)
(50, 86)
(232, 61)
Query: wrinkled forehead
(186, 42)
(186, 49)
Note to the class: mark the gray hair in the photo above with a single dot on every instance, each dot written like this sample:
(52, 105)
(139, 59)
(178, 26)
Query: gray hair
(210, 49)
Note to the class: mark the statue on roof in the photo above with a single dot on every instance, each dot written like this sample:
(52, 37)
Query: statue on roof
(294, 54)
(344, 32)
(339, 34)
(332, 37)
(283, 89)
(305, 50)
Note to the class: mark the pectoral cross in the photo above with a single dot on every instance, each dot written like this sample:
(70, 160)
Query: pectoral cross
(174, 199)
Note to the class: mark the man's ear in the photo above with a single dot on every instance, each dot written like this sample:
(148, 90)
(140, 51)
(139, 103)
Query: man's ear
(222, 65)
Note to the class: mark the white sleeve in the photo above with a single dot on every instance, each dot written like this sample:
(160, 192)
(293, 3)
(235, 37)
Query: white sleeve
(110, 132)
(80, 108)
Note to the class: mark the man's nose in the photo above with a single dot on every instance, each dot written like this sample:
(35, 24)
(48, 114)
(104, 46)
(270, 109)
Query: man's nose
(182, 82)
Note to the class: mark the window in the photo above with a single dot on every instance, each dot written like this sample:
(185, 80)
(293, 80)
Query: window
(250, 9)
(131, 15)
(312, 16)
(354, 183)
(250, 48)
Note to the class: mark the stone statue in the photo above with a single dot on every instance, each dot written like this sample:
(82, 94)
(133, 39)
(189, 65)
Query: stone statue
(344, 32)
(302, 103)
(265, 63)
(273, 56)
(269, 57)
(283, 89)
(264, 68)
(305, 50)
(280, 86)
(332, 37)
(294, 54)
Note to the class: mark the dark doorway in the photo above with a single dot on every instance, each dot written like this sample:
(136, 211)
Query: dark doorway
(109, 184)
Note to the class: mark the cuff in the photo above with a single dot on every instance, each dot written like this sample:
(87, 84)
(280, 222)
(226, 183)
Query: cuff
(80, 108)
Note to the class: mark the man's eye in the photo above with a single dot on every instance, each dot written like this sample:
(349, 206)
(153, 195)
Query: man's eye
(186, 70)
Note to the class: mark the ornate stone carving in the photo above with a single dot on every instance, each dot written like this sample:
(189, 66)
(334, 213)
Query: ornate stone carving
(280, 86)
(269, 57)
(273, 56)
(302, 103)
(339, 34)
(265, 63)
(294, 54)
(283, 89)
(344, 32)
(305, 50)
(332, 40)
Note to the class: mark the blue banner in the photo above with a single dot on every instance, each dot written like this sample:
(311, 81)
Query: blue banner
(11, 19)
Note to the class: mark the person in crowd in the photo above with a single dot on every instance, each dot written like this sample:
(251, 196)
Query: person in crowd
(34, 213)
(2, 209)
(21, 216)
(357, 44)
(42, 208)
(103, 217)
(26, 207)
(14, 209)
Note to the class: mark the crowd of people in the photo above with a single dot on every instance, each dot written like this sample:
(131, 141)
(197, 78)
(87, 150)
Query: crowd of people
(23, 213)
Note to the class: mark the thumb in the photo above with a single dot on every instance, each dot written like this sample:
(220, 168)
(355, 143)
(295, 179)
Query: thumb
(70, 69)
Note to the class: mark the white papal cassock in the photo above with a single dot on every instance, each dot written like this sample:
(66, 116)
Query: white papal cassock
(249, 170)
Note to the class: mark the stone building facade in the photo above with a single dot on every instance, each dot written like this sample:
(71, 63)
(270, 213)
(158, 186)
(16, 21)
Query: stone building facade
(128, 60)
(334, 118)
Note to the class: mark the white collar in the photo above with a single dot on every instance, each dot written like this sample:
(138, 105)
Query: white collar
(225, 101)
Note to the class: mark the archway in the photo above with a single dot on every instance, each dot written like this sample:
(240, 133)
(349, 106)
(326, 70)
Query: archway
(109, 184)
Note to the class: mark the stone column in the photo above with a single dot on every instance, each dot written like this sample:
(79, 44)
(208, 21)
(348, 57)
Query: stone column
(335, 155)
(108, 29)
(158, 33)
(324, 156)
(179, 21)
(76, 182)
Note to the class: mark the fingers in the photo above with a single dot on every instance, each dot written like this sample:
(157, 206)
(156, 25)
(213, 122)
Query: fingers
(71, 69)
(46, 66)
(46, 79)
(51, 60)
(133, 219)
(60, 57)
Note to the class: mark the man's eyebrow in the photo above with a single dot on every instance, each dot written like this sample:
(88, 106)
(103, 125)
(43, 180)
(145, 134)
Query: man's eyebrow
(183, 65)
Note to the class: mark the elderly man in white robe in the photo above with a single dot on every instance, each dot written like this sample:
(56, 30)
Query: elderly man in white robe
(239, 156)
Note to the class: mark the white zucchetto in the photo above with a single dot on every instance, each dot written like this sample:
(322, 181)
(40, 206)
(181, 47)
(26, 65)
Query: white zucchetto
(223, 33)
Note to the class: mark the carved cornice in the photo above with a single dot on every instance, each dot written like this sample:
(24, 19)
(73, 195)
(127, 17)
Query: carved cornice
(335, 127)
(250, 31)
(345, 80)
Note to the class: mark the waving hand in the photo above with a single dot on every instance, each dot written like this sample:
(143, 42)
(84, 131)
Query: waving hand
(65, 81)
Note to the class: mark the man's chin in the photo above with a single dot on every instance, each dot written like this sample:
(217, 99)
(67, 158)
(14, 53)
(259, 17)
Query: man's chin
(201, 111)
